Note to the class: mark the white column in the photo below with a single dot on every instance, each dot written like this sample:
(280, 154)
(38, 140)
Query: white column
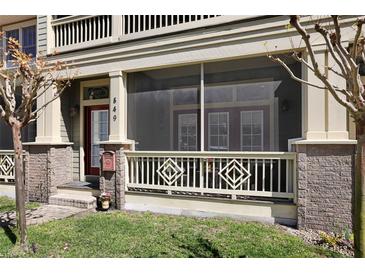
(314, 103)
(49, 122)
(118, 107)
(337, 114)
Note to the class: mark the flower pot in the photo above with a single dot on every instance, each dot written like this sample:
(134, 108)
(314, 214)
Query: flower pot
(105, 204)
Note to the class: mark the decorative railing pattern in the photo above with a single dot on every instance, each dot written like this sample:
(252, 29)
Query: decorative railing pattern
(79, 29)
(7, 168)
(230, 175)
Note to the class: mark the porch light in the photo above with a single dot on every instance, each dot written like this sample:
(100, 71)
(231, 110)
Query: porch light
(285, 105)
(74, 110)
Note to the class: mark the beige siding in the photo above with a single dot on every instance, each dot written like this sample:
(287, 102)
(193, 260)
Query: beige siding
(42, 34)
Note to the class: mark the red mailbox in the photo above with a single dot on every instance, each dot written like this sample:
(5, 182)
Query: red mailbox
(108, 161)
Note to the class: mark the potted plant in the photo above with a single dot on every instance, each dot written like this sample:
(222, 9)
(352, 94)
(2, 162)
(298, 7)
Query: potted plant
(105, 199)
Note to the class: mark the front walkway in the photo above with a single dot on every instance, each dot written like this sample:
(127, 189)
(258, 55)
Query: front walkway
(42, 214)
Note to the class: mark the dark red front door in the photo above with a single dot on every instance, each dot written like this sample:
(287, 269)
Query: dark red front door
(97, 130)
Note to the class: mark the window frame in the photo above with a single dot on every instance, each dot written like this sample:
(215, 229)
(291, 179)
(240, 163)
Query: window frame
(19, 27)
(210, 114)
(262, 129)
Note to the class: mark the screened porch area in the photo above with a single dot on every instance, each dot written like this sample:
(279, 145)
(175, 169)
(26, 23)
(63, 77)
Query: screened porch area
(217, 129)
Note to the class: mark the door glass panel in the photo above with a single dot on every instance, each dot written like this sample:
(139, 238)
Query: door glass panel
(99, 133)
(187, 132)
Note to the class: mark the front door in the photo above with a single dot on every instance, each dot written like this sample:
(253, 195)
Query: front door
(97, 130)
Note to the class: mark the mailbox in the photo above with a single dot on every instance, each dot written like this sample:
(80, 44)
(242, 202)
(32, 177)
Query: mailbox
(108, 161)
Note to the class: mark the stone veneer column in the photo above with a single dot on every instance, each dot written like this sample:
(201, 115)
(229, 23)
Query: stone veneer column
(46, 167)
(114, 182)
(325, 186)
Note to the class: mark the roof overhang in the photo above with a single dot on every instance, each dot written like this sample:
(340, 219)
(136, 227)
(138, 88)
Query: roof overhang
(11, 19)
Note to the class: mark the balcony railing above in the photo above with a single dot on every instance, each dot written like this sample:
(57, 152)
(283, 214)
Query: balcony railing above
(73, 32)
(81, 29)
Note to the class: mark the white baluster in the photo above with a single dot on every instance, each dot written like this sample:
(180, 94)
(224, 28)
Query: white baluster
(132, 169)
(82, 34)
(263, 175)
(148, 171)
(249, 178)
(108, 18)
(158, 164)
(271, 177)
(142, 171)
(256, 174)
(279, 175)
(69, 33)
(153, 171)
(137, 170)
(287, 176)
(188, 172)
(213, 174)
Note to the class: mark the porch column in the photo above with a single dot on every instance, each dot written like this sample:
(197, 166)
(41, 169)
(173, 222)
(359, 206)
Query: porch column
(49, 122)
(314, 102)
(336, 114)
(118, 107)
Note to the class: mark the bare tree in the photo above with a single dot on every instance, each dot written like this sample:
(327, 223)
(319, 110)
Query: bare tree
(21, 83)
(352, 97)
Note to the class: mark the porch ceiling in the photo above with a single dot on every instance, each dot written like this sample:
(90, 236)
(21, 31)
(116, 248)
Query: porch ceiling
(11, 19)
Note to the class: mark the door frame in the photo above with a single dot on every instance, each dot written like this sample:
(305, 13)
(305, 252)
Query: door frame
(83, 104)
(89, 170)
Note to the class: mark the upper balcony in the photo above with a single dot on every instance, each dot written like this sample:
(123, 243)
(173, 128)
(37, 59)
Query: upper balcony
(71, 33)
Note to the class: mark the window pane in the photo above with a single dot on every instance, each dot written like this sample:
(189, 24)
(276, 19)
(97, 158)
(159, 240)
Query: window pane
(218, 134)
(164, 108)
(29, 40)
(11, 34)
(258, 87)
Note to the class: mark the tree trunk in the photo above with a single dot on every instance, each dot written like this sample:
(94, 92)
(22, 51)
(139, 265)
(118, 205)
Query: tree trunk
(19, 185)
(359, 202)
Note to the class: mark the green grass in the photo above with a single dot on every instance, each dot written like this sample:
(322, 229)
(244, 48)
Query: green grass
(8, 204)
(122, 234)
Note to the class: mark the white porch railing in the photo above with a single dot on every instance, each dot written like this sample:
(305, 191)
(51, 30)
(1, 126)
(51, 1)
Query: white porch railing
(79, 29)
(7, 168)
(73, 32)
(140, 23)
(235, 175)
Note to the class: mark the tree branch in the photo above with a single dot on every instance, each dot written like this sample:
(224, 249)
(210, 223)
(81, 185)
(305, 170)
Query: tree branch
(326, 37)
(359, 24)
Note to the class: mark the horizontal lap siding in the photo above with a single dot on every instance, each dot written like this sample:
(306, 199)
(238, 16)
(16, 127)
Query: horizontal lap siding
(42, 34)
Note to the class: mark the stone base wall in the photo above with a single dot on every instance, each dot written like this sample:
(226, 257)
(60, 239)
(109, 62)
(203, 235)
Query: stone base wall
(325, 186)
(114, 182)
(46, 167)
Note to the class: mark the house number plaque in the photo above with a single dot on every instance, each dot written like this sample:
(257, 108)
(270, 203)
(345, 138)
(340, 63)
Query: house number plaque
(114, 109)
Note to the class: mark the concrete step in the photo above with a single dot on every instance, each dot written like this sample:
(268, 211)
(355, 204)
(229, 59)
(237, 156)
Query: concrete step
(78, 191)
(74, 200)
(79, 188)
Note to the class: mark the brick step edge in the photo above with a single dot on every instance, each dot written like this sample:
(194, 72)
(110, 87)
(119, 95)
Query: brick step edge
(74, 201)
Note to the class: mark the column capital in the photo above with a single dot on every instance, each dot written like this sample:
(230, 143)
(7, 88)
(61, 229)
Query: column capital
(117, 73)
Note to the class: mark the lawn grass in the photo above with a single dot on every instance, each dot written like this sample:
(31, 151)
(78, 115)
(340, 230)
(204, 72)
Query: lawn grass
(8, 204)
(123, 234)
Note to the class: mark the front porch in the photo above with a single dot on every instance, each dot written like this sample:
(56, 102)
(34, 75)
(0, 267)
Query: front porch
(211, 138)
